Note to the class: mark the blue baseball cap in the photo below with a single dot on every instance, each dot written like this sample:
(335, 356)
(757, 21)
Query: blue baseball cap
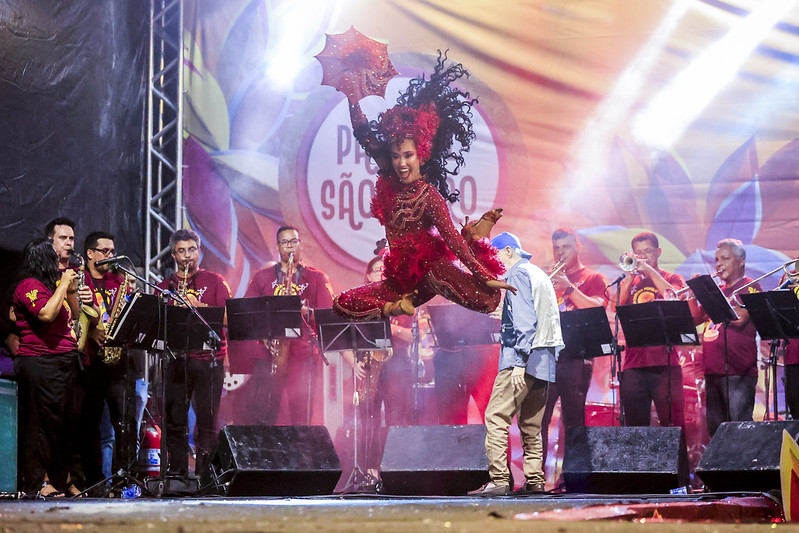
(505, 239)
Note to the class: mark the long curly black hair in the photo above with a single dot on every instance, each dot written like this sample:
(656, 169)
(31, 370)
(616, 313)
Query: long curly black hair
(40, 261)
(454, 108)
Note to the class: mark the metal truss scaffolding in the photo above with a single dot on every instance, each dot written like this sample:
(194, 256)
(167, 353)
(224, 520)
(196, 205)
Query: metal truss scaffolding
(165, 134)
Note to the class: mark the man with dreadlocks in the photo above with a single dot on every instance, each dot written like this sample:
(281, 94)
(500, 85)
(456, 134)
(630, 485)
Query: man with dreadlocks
(412, 145)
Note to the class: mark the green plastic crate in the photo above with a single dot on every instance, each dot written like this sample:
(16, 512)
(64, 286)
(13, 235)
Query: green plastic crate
(8, 436)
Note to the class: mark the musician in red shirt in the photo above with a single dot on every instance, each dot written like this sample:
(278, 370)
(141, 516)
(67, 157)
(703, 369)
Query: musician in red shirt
(194, 376)
(291, 365)
(46, 365)
(652, 374)
(729, 351)
(577, 287)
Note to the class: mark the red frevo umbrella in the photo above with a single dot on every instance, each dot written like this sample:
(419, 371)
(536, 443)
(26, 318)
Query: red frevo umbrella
(355, 65)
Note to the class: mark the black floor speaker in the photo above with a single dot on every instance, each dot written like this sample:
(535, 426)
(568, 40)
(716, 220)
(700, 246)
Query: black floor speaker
(272, 461)
(745, 456)
(434, 460)
(624, 460)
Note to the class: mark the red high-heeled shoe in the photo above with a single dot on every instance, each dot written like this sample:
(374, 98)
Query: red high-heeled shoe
(474, 231)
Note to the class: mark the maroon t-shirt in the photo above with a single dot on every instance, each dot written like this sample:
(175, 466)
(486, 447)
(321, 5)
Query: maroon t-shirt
(38, 338)
(741, 342)
(643, 290)
(208, 288)
(792, 352)
(590, 283)
(310, 284)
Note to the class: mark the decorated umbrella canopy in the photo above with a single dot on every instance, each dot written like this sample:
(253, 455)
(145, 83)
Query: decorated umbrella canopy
(355, 65)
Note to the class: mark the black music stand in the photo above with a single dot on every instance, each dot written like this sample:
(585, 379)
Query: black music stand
(586, 333)
(269, 318)
(455, 326)
(775, 315)
(190, 329)
(338, 334)
(136, 326)
(264, 317)
(658, 323)
(718, 308)
(187, 333)
(713, 301)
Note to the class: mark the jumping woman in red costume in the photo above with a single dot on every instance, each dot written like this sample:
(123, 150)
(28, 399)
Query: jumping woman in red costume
(412, 143)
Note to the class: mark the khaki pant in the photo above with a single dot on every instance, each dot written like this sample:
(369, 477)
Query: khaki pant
(529, 404)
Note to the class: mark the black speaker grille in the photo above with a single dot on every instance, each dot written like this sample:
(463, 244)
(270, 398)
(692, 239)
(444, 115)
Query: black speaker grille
(273, 461)
(624, 460)
(434, 460)
(745, 456)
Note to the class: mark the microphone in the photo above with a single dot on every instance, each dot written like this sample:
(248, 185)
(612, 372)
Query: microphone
(784, 284)
(116, 259)
(618, 280)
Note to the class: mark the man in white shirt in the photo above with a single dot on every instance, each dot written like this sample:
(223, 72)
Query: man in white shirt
(530, 341)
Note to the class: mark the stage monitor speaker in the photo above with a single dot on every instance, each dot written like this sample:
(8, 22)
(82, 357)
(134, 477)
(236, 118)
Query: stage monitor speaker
(624, 460)
(745, 456)
(272, 461)
(434, 460)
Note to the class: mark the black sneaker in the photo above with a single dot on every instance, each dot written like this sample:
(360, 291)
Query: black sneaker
(530, 488)
(491, 489)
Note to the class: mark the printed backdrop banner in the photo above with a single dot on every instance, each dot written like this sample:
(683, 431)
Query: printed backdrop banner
(612, 117)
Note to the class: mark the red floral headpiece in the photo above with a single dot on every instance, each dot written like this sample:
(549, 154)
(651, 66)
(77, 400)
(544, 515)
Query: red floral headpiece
(402, 122)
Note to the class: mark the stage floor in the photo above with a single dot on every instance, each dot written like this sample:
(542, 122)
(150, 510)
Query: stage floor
(556, 513)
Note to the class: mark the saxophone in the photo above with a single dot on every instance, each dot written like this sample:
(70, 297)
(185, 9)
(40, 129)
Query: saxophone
(111, 355)
(365, 389)
(183, 284)
(277, 347)
(87, 312)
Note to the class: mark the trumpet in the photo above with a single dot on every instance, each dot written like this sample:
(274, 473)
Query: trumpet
(628, 262)
(557, 267)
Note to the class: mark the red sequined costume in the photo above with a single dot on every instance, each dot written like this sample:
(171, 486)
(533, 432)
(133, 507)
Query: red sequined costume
(423, 246)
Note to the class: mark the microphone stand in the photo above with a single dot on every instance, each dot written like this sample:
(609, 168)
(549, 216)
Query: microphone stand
(615, 361)
(122, 475)
(214, 342)
(313, 345)
(415, 358)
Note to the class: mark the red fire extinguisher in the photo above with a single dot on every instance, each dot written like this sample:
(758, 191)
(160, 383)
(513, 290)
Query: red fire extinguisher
(150, 452)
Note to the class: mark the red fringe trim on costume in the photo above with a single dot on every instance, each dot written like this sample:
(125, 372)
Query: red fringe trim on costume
(487, 255)
(386, 191)
(407, 259)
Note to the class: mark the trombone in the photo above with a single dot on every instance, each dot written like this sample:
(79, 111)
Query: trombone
(680, 292)
(789, 273)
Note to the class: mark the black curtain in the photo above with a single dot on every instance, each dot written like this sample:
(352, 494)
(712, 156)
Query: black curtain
(72, 97)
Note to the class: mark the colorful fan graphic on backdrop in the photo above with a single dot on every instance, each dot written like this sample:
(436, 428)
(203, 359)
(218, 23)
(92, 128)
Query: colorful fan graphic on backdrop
(356, 65)
(252, 96)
